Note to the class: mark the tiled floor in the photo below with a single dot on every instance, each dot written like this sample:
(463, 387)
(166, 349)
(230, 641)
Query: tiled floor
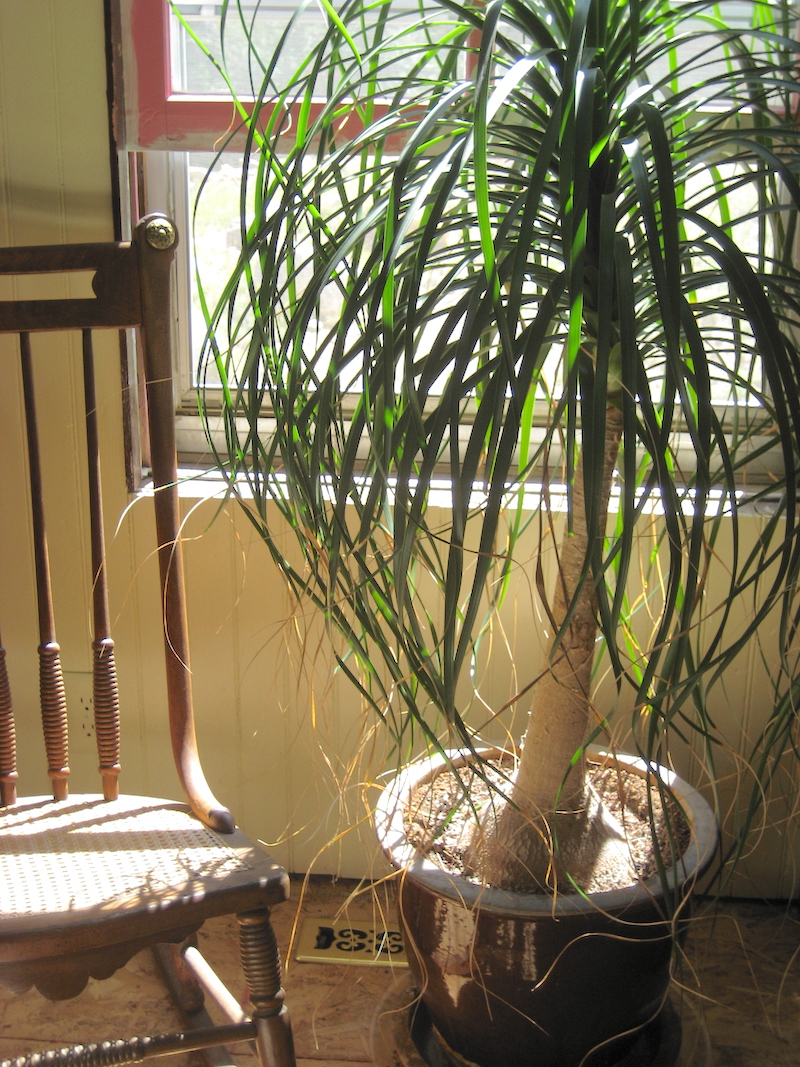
(741, 990)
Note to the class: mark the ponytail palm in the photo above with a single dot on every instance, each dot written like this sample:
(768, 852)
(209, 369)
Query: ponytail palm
(485, 245)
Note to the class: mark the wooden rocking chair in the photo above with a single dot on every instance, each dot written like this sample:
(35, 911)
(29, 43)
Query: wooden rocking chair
(88, 881)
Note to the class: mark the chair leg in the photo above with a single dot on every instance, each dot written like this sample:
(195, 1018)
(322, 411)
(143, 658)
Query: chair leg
(184, 988)
(262, 968)
(188, 997)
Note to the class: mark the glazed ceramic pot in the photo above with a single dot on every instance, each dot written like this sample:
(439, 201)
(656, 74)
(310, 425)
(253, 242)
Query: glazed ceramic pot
(529, 980)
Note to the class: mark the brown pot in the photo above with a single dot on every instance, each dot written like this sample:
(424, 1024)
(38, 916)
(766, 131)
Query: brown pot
(528, 980)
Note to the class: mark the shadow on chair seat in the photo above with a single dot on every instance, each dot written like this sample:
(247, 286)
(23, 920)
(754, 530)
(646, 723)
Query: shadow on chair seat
(94, 870)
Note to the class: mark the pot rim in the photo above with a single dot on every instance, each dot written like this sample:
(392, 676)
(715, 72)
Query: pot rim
(408, 859)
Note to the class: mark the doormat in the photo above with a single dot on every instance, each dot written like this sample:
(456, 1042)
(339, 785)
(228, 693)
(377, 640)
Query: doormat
(332, 941)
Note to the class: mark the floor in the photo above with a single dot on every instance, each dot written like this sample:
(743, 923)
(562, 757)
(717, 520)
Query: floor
(741, 989)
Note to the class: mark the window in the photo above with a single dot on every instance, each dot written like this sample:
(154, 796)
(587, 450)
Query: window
(181, 111)
(176, 108)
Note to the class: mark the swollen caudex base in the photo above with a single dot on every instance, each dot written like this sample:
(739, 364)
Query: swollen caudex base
(586, 848)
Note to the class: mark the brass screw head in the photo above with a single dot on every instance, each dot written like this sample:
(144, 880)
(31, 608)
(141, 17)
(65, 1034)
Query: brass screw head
(160, 233)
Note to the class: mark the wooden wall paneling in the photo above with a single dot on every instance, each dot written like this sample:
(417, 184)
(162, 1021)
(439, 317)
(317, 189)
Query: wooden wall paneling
(213, 627)
(741, 706)
(55, 131)
(269, 709)
(147, 765)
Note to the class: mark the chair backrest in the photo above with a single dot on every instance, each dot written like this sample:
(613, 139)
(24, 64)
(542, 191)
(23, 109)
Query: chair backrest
(132, 289)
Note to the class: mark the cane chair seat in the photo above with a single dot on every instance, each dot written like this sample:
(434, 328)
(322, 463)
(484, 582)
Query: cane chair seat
(89, 880)
(87, 856)
(92, 870)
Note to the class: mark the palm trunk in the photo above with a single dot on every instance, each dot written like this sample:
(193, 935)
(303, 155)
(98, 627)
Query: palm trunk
(550, 828)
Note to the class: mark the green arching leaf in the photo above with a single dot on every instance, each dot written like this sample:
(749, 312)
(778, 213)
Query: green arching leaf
(404, 292)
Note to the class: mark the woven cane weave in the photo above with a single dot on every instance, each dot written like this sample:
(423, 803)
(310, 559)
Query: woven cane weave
(86, 852)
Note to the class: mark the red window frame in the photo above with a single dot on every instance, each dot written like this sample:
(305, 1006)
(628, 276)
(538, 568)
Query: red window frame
(156, 118)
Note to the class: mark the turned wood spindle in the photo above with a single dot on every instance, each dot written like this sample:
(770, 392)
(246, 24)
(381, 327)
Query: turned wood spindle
(262, 967)
(106, 694)
(8, 744)
(51, 680)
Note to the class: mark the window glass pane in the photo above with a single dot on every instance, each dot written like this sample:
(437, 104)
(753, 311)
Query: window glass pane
(217, 228)
(250, 42)
(263, 21)
(193, 73)
(216, 235)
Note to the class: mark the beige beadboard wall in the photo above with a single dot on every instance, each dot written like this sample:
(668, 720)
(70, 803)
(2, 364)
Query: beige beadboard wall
(285, 741)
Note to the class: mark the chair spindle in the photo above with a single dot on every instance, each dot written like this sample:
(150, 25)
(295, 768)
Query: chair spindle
(106, 694)
(51, 679)
(67, 916)
(262, 967)
(8, 742)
